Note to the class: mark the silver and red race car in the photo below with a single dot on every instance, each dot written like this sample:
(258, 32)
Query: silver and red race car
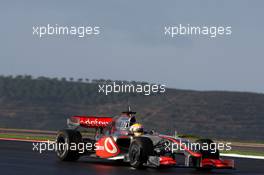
(113, 139)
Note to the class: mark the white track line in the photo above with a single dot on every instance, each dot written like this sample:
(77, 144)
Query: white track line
(222, 154)
(242, 156)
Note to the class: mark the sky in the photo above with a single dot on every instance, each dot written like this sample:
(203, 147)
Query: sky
(132, 45)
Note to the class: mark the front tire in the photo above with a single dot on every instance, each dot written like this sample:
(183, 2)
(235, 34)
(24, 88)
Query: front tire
(65, 138)
(139, 151)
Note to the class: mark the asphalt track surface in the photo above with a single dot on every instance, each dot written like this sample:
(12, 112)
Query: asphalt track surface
(18, 158)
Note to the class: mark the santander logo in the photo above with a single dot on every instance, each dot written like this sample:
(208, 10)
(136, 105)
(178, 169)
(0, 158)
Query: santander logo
(110, 146)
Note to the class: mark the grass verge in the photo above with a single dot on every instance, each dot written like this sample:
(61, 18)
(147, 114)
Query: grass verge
(30, 137)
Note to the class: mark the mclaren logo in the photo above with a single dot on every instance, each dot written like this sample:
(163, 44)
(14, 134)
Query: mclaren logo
(110, 146)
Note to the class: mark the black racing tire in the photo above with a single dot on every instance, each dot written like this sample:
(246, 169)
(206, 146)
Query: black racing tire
(139, 151)
(68, 137)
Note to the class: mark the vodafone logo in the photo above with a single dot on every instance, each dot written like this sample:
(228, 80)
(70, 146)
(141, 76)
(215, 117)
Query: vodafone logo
(91, 121)
(96, 122)
(110, 146)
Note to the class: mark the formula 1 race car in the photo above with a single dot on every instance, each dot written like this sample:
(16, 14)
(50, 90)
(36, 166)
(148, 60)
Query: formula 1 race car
(122, 138)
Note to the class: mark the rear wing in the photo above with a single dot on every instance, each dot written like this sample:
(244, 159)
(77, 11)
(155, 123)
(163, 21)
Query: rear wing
(88, 121)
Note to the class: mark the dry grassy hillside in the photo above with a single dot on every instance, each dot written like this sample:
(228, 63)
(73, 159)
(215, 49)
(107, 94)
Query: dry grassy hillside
(227, 115)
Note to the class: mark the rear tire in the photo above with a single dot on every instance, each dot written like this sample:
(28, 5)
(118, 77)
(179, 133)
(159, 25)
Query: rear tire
(139, 151)
(68, 137)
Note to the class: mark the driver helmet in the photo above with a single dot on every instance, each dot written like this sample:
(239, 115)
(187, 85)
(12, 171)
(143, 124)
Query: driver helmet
(137, 129)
